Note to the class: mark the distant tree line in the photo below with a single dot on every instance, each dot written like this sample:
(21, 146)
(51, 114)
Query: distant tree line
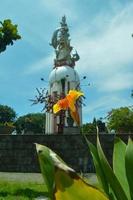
(90, 128)
(33, 123)
(121, 120)
(118, 120)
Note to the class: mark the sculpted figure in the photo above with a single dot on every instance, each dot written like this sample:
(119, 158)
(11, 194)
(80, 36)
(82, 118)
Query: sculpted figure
(65, 54)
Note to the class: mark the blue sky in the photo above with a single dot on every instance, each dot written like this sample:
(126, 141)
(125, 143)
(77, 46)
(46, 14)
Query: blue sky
(100, 31)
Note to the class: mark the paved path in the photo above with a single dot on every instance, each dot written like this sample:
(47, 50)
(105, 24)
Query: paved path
(34, 177)
(21, 177)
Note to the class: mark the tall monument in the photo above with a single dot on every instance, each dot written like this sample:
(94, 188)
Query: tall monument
(62, 78)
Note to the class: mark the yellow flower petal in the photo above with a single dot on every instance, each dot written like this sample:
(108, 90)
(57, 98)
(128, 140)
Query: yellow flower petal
(75, 94)
(68, 102)
(75, 116)
(72, 106)
(56, 108)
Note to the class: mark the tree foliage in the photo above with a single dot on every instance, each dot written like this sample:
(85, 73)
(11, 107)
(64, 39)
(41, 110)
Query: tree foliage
(31, 123)
(7, 114)
(121, 120)
(90, 128)
(101, 126)
(8, 33)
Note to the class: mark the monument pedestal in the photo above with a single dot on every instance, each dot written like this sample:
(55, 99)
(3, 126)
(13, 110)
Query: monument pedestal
(71, 130)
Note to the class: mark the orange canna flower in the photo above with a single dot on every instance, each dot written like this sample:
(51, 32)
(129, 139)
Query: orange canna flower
(69, 102)
(74, 94)
(75, 116)
(61, 105)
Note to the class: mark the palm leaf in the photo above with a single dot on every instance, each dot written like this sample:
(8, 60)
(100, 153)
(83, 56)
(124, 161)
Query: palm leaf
(99, 170)
(119, 164)
(110, 176)
(129, 165)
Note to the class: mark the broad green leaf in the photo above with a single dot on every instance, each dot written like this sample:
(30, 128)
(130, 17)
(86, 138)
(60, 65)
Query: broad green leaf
(62, 181)
(47, 168)
(71, 186)
(119, 164)
(99, 170)
(110, 176)
(129, 165)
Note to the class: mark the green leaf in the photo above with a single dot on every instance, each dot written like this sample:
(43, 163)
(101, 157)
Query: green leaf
(119, 164)
(99, 170)
(110, 176)
(69, 186)
(129, 165)
(62, 181)
(47, 168)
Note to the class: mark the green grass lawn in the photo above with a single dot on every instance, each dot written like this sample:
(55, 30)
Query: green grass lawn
(21, 191)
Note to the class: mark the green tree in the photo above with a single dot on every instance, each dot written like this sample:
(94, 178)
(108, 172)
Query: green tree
(89, 128)
(7, 114)
(121, 120)
(8, 33)
(31, 123)
(101, 126)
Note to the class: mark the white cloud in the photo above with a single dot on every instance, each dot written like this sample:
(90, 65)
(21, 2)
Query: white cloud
(101, 106)
(117, 82)
(60, 8)
(41, 65)
(110, 52)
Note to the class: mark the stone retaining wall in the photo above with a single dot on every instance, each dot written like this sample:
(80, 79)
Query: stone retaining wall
(18, 154)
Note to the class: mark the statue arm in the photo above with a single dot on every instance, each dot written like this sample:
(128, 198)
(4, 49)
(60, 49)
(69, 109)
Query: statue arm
(75, 56)
(54, 41)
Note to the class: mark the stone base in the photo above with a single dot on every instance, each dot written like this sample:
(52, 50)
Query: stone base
(71, 130)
